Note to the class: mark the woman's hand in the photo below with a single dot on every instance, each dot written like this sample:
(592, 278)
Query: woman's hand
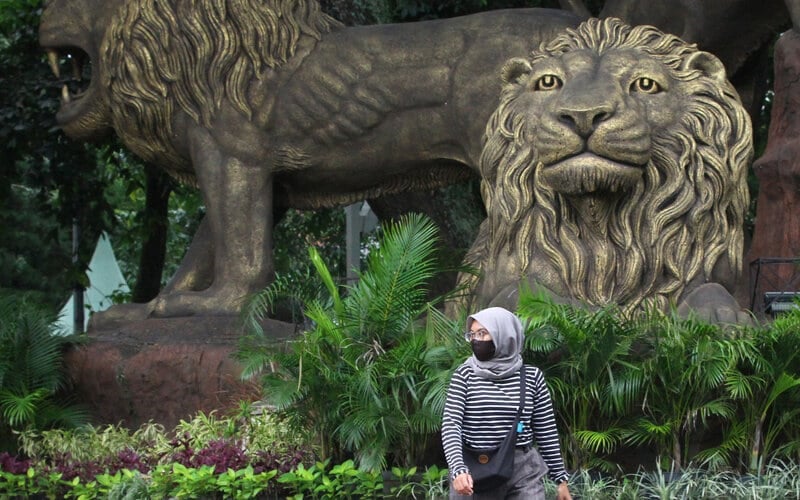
(463, 484)
(562, 493)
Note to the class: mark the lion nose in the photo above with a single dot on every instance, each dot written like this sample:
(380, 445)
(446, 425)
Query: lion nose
(585, 120)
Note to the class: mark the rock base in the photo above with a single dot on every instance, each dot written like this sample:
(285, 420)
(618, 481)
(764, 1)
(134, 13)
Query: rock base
(162, 370)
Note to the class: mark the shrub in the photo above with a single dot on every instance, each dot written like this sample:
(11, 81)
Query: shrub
(32, 380)
(698, 393)
(367, 375)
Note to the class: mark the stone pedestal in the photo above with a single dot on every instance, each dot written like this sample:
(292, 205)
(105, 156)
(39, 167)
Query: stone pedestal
(162, 370)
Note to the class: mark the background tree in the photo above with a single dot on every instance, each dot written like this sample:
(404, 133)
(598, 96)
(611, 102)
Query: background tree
(48, 182)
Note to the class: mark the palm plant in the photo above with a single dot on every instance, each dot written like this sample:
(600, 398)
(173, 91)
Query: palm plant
(367, 375)
(768, 393)
(689, 365)
(586, 355)
(31, 373)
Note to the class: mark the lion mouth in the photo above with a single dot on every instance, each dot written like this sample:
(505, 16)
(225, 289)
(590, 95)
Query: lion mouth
(75, 83)
(588, 173)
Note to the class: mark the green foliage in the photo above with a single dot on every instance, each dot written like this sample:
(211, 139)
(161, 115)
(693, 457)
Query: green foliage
(659, 380)
(31, 375)
(297, 230)
(262, 430)
(340, 481)
(594, 383)
(32, 483)
(768, 395)
(687, 364)
(46, 180)
(367, 375)
(433, 483)
(90, 443)
(320, 481)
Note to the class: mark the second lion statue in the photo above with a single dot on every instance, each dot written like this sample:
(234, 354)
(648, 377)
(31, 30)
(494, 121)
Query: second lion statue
(615, 172)
(272, 103)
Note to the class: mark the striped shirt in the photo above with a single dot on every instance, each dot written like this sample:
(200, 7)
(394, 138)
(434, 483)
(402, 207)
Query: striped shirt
(479, 413)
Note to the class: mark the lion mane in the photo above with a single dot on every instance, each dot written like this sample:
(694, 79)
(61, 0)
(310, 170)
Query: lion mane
(161, 56)
(675, 225)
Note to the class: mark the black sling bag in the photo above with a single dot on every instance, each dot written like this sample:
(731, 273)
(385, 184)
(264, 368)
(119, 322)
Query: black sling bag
(491, 467)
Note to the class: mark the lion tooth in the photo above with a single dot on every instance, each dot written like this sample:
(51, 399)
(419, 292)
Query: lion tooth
(52, 58)
(65, 94)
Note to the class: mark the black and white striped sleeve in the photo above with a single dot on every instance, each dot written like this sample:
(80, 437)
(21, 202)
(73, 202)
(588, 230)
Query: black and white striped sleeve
(452, 421)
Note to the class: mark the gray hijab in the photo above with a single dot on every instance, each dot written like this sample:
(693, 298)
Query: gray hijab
(508, 336)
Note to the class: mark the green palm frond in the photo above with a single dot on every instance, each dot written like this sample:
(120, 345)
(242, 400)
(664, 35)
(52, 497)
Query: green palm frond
(723, 455)
(295, 288)
(392, 292)
(50, 413)
(604, 441)
(623, 390)
(368, 375)
(325, 275)
(19, 409)
(784, 383)
(741, 386)
(647, 431)
(31, 370)
(720, 407)
(256, 361)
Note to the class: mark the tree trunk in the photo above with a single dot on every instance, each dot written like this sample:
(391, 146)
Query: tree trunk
(154, 244)
(777, 234)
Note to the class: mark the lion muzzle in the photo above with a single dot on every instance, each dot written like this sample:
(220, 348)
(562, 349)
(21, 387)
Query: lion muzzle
(588, 173)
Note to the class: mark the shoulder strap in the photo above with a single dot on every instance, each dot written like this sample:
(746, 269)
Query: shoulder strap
(521, 391)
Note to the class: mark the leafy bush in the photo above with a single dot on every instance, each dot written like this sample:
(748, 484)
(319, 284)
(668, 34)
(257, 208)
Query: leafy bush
(767, 396)
(228, 455)
(32, 380)
(587, 358)
(367, 375)
(726, 398)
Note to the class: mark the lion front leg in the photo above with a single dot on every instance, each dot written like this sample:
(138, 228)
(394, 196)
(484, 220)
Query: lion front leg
(238, 198)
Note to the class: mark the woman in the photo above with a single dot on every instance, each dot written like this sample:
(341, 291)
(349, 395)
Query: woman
(481, 407)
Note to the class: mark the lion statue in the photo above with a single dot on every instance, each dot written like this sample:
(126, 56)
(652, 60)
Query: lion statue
(267, 104)
(614, 171)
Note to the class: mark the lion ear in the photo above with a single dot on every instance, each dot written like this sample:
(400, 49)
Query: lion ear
(515, 69)
(706, 63)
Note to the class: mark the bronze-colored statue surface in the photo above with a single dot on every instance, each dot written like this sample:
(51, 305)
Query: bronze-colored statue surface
(268, 103)
(615, 172)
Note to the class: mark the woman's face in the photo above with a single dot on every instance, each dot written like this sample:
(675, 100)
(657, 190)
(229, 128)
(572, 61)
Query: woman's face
(483, 347)
(478, 332)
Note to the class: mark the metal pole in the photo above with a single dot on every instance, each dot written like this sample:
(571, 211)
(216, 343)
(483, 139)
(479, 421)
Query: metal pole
(77, 290)
(352, 242)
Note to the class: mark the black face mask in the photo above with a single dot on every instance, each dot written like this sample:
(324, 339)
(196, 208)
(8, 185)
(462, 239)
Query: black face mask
(483, 349)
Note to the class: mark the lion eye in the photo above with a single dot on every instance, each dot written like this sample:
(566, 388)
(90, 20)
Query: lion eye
(645, 85)
(548, 82)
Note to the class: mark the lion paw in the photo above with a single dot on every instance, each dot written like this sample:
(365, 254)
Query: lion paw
(713, 303)
(209, 302)
(120, 314)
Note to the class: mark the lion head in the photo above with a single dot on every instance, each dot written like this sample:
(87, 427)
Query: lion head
(614, 169)
(151, 58)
